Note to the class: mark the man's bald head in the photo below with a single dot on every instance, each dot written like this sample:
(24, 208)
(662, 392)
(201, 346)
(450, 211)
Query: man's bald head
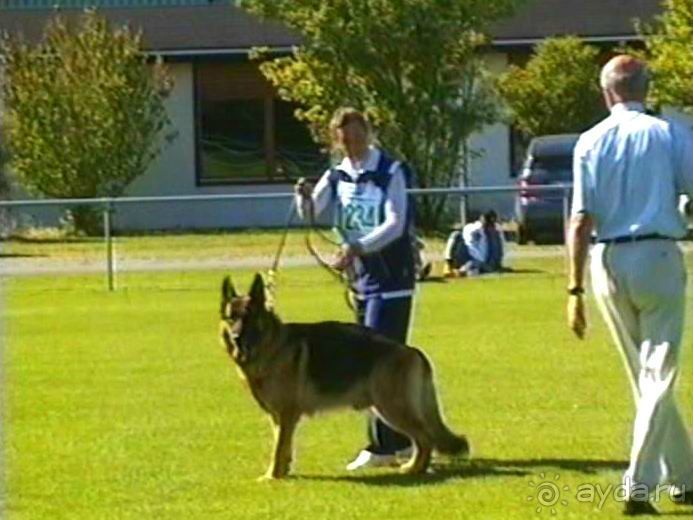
(626, 78)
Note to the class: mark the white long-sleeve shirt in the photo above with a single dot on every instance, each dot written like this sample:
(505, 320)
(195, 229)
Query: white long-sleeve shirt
(395, 207)
(476, 240)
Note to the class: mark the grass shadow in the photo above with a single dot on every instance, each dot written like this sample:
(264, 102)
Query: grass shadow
(580, 465)
(507, 272)
(54, 240)
(437, 476)
(443, 471)
(20, 255)
(512, 270)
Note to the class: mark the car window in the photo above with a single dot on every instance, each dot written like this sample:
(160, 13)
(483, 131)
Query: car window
(556, 168)
(553, 162)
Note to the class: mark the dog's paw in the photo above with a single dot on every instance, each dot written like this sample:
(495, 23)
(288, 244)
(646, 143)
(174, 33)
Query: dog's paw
(272, 476)
(464, 453)
(413, 468)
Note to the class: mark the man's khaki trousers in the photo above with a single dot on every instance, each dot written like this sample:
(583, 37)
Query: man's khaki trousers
(640, 289)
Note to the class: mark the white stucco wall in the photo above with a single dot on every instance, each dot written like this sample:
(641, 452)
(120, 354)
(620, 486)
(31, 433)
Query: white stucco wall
(173, 173)
(492, 166)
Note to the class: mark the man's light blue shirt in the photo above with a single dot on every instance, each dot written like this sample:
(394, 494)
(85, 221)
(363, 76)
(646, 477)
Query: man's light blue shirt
(629, 171)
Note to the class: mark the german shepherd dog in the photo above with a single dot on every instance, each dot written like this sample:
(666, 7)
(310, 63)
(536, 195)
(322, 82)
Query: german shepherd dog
(296, 369)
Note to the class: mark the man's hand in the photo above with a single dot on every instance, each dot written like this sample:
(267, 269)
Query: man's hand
(303, 188)
(576, 315)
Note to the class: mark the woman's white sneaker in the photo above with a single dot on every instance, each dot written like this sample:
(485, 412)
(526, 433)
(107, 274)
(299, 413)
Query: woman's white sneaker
(367, 459)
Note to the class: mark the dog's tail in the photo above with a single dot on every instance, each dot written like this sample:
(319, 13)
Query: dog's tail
(444, 440)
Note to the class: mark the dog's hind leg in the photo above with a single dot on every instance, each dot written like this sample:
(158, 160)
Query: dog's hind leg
(284, 428)
(401, 419)
(420, 459)
(399, 414)
(443, 439)
(422, 401)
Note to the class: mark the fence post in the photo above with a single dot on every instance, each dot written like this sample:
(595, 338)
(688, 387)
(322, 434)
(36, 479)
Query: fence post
(109, 244)
(566, 213)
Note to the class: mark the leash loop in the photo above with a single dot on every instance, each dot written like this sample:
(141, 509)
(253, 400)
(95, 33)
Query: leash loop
(341, 276)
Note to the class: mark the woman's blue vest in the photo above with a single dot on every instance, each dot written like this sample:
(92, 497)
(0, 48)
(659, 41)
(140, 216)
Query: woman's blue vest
(360, 204)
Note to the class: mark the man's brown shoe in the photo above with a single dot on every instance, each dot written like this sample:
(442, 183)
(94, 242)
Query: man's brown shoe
(682, 497)
(639, 507)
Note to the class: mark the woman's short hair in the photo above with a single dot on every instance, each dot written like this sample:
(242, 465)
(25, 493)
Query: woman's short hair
(347, 115)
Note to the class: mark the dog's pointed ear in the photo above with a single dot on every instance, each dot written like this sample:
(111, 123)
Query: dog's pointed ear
(257, 292)
(228, 291)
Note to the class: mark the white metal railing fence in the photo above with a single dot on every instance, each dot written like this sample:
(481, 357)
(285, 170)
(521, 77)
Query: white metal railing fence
(109, 204)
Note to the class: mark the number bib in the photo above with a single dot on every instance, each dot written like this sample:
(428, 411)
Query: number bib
(359, 208)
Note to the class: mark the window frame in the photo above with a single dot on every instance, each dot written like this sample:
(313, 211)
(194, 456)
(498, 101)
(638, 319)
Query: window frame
(269, 99)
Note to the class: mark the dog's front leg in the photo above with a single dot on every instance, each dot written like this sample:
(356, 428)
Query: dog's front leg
(284, 427)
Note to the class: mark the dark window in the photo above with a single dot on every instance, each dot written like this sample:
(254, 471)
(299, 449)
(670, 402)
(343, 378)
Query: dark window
(549, 169)
(554, 162)
(297, 153)
(231, 143)
(245, 134)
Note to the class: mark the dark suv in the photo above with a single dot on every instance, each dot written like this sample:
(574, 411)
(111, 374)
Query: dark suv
(549, 161)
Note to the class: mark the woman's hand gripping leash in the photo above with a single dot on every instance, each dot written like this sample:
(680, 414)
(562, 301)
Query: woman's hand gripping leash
(341, 267)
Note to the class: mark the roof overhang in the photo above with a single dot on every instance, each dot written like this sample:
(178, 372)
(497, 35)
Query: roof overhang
(196, 53)
(519, 42)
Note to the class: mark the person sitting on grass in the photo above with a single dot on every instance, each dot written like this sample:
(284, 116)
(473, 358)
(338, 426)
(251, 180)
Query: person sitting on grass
(476, 249)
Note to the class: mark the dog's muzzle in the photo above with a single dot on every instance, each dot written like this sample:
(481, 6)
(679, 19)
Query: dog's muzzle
(230, 340)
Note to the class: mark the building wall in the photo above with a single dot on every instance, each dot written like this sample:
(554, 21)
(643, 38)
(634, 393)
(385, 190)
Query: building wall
(492, 166)
(173, 173)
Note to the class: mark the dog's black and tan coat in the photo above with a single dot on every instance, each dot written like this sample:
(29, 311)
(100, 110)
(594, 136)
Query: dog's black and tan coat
(297, 369)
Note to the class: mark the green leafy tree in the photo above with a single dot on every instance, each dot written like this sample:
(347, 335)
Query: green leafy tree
(557, 91)
(84, 109)
(669, 51)
(413, 66)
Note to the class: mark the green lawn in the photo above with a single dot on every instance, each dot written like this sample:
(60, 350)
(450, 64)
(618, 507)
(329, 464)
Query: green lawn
(165, 246)
(124, 406)
(168, 246)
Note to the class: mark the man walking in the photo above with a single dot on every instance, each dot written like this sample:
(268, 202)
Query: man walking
(628, 173)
